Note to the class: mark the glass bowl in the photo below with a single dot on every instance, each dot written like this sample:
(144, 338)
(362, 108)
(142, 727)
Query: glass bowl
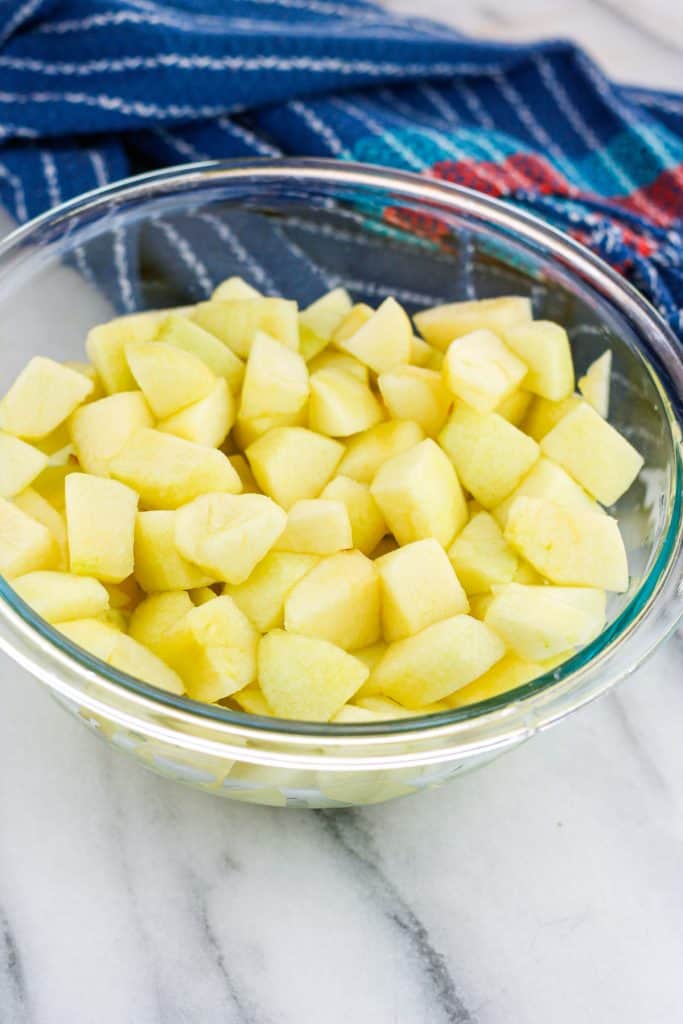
(298, 228)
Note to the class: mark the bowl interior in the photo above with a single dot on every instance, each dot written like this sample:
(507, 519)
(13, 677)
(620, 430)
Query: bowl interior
(152, 246)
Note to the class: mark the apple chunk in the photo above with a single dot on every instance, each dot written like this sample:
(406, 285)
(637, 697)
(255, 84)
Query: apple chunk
(383, 341)
(540, 622)
(418, 587)
(61, 596)
(481, 370)
(316, 526)
(441, 324)
(100, 522)
(290, 463)
(481, 556)
(25, 543)
(262, 596)
(159, 566)
(42, 396)
(544, 347)
(366, 452)
(20, 464)
(100, 429)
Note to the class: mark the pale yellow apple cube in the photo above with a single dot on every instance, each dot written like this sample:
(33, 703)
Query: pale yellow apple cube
(570, 547)
(20, 464)
(543, 415)
(515, 407)
(310, 343)
(170, 378)
(544, 347)
(213, 649)
(227, 535)
(507, 674)
(341, 404)
(100, 523)
(122, 652)
(262, 596)
(338, 600)
(419, 495)
(235, 288)
(417, 394)
(371, 449)
(106, 345)
(595, 383)
(100, 429)
(331, 359)
(247, 431)
(540, 622)
(316, 526)
(358, 315)
(547, 480)
(61, 596)
(437, 661)
(168, 471)
(306, 678)
(481, 370)
(236, 321)
(420, 352)
(154, 618)
(594, 453)
(275, 380)
(489, 454)
(290, 463)
(325, 315)
(41, 397)
(367, 522)
(418, 587)
(182, 333)
(90, 372)
(383, 341)
(481, 556)
(159, 566)
(37, 507)
(440, 325)
(206, 422)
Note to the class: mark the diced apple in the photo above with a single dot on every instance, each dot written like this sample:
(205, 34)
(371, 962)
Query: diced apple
(481, 370)
(106, 345)
(168, 471)
(420, 352)
(61, 596)
(41, 397)
(25, 544)
(182, 333)
(489, 454)
(290, 463)
(367, 522)
(544, 347)
(418, 587)
(247, 431)
(507, 674)
(326, 314)
(213, 649)
(413, 393)
(90, 372)
(37, 507)
(543, 415)
(547, 480)
(235, 288)
(515, 407)
(100, 429)
(275, 380)
(236, 321)
(20, 464)
(541, 622)
(525, 573)
(567, 546)
(306, 678)
(594, 453)
(159, 566)
(440, 325)
(358, 315)
(481, 556)
(170, 378)
(262, 596)
(227, 535)
(341, 404)
(251, 700)
(338, 600)
(100, 523)
(437, 661)
(419, 495)
(241, 467)
(316, 526)
(310, 343)
(371, 449)
(156, 616)
(595, 383)
(331, 359)
(383, 341)
(206, 422)
(122, 652)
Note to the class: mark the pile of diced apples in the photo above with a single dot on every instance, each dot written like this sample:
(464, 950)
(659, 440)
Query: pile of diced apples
(319, 514)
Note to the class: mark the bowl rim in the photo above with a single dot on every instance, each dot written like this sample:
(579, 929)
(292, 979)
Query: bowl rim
(35, 644)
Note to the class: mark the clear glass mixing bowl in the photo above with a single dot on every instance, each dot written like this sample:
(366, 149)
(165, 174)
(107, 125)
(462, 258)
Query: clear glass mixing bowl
(298, 228)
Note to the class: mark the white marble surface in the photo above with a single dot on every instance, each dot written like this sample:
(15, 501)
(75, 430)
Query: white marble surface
(545, 889)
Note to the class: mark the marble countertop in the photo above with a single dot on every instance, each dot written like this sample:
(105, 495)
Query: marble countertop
(545, 889)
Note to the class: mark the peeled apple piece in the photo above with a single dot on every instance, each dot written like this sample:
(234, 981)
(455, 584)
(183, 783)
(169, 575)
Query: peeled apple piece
(155, 616)
(227, 535)
(414, 393)
(38, 508)
(316, 526)
(366, 452)
(358, 315)
(595, 383)
(547, 480)
(325, 315)
(159, 566)
(235, 288)
(291, 463)
(481, 370)
(206, 422)
(41, 397)
(481, 556)
(441, 324)
(25, 544)
(263, 594)
(100, 523)
(122, 652)
(383, 341)
(540, 622)
(100, 429)
(568, 546)
(275, 379)
(331, 359)
(61, 596)
(341, 404)
(544, 347)
(507, 674)
(180, 332)
(106, 346)
(543, 415)
(170, 378)
(20, 464)
(367, 522)
(237, 321)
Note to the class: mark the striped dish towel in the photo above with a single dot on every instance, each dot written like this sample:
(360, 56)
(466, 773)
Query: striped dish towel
(94, 90)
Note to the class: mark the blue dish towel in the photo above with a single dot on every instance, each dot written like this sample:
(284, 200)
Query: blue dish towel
(93, 90)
